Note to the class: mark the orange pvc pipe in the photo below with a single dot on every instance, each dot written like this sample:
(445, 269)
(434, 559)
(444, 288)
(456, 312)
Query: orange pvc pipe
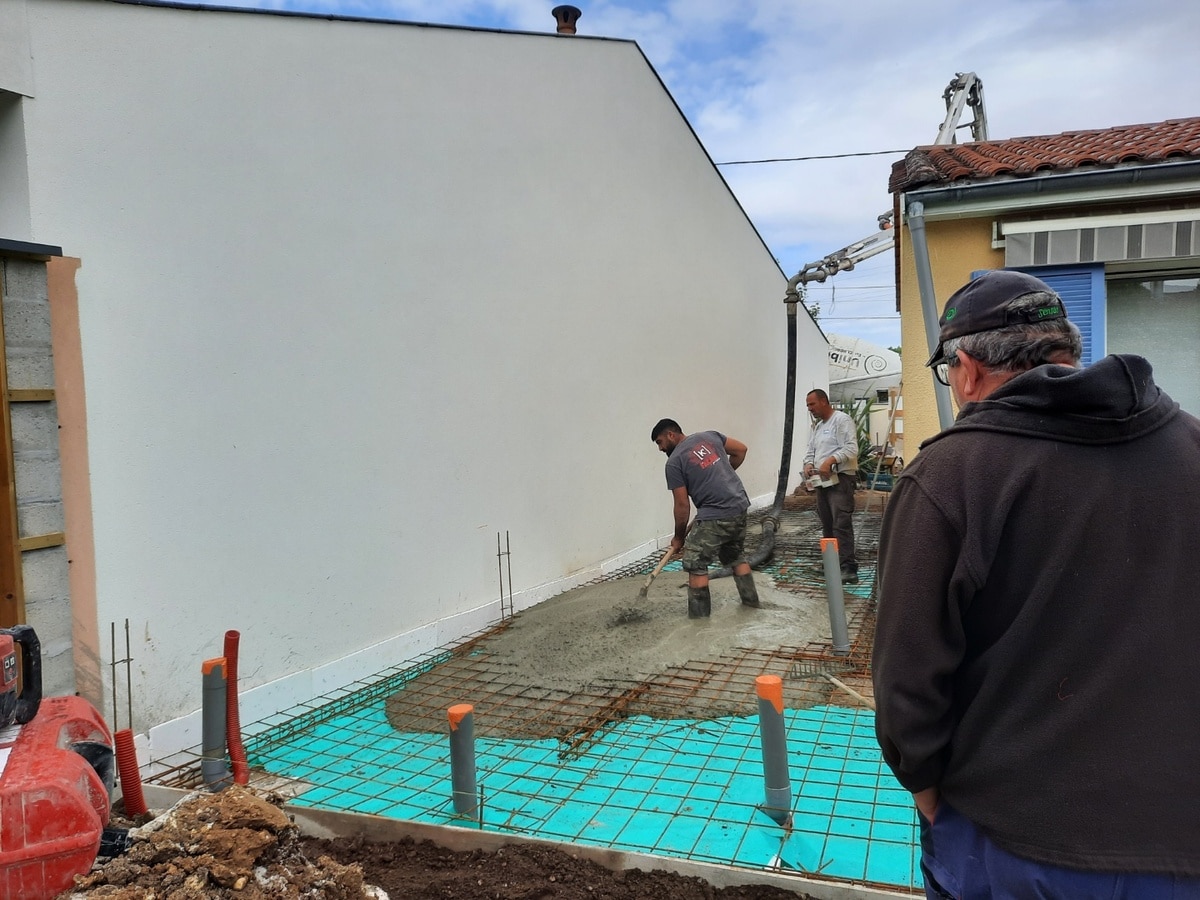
(770, 688)
(457, 713)
(233, 723)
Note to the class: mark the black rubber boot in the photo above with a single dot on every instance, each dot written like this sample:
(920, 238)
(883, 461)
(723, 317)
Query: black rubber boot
(699, 603)
(746, 589)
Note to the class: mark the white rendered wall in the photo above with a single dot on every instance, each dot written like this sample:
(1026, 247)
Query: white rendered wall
(16, 66)
(355, 297)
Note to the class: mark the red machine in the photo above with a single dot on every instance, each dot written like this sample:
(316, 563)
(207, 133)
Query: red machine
(56, 773)
(21, 706)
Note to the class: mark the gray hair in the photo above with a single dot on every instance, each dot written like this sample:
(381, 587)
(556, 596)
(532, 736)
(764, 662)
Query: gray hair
(1017, 348)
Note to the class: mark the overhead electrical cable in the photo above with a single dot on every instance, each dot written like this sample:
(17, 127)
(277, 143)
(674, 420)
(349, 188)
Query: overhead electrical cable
(752, 162)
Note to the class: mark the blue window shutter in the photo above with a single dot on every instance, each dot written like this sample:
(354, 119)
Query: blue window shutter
(1083, 292)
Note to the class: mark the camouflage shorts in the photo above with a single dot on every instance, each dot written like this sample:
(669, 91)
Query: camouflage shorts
(722, 538)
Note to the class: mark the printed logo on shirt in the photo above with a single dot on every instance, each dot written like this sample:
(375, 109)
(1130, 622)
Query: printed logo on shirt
(704, 455)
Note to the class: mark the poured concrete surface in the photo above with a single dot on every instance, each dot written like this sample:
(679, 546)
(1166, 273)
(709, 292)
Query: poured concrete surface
(603, 632)
(597, 654)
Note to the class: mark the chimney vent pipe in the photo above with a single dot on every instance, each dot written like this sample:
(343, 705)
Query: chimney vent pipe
(566, 16)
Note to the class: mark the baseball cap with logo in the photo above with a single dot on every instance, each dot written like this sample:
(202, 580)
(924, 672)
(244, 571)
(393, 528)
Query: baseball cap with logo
(979, 305)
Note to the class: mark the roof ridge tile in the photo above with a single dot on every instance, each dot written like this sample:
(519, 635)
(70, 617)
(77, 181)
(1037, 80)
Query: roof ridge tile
(1119, 144)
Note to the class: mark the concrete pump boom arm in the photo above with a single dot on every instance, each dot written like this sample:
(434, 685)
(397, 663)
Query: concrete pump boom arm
(965, 89)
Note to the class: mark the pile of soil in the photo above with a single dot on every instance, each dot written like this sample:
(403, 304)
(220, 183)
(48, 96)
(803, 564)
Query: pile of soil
(239, 843)
(236, 843)
(527, 871)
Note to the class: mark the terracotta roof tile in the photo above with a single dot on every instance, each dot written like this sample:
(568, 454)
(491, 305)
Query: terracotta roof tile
(946, 163)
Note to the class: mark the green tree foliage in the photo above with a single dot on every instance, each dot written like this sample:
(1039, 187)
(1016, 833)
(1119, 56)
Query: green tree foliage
(860, 411)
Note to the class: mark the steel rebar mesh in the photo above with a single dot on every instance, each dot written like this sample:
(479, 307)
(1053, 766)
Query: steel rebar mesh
(418, 692)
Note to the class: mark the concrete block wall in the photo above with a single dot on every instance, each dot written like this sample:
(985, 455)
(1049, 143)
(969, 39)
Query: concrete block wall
(38, 471)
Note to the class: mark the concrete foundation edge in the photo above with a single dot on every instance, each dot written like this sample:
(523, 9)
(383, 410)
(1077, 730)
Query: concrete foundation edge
(328, 824)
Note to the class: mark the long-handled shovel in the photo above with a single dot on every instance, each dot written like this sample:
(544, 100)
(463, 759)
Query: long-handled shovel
(649, 578)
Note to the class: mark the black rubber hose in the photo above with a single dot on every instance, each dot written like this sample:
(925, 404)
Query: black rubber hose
(31, 672)
(766, 545)
(114, 842)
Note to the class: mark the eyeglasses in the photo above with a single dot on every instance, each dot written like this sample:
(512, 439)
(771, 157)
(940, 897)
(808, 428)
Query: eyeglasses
(942, 370)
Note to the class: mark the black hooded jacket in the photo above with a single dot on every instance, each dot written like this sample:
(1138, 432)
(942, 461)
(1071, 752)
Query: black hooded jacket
(1037, 653)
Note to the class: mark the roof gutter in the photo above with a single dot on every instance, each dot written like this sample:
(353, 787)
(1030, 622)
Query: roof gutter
(991, 197)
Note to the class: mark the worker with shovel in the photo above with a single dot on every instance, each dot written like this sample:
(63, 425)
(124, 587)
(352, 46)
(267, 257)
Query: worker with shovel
(700, 471)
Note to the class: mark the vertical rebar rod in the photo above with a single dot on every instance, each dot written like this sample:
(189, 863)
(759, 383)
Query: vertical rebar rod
(837, 599)
(508, 561)
(116, 717)
(778, 802)
(503, 553)
(500, 570)
(128, 676)
(113, 674)
(462, 759)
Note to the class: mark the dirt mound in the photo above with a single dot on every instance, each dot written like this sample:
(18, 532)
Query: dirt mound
(236, 843)
(411, 868)
(239, 843)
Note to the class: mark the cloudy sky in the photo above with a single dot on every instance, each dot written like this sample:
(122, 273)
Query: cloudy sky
(779, 79)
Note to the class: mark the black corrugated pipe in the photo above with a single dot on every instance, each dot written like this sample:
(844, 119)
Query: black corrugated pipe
(766, 546)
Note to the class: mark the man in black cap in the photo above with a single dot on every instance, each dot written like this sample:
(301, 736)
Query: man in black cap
(1035, 660)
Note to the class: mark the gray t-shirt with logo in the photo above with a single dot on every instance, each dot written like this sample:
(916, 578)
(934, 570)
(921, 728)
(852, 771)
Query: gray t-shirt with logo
(701, 464)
